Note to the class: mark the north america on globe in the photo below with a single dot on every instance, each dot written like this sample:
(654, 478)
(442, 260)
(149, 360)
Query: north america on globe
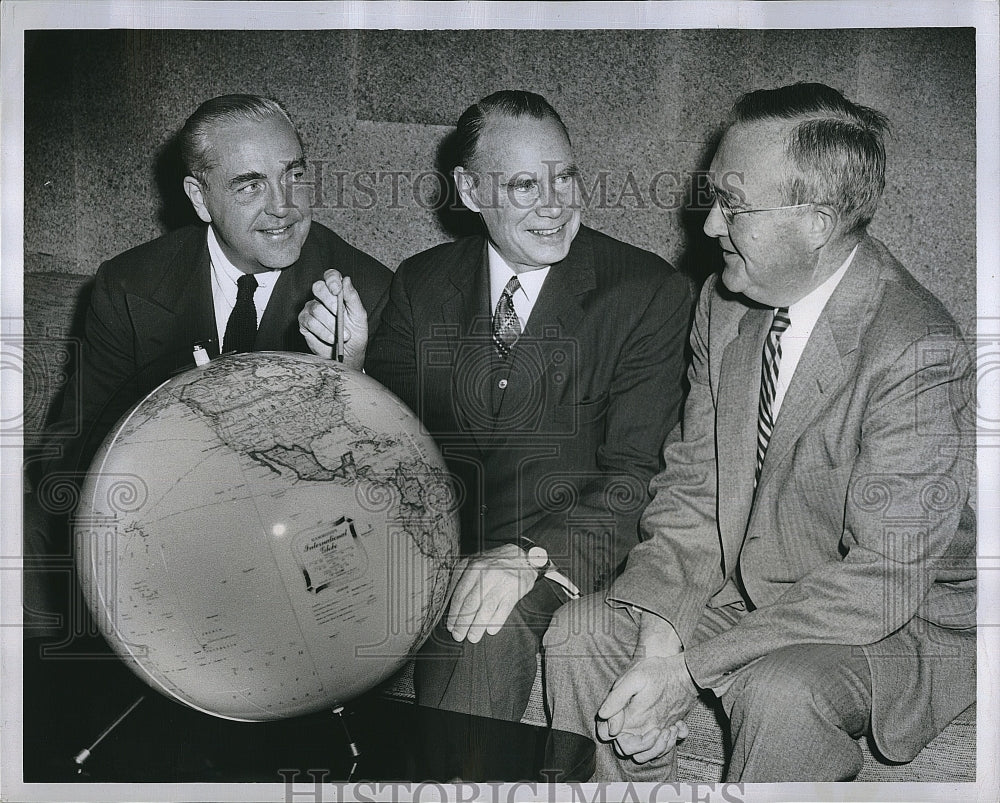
(267, 535)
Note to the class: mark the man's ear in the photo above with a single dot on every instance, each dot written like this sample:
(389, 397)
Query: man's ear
(822, 224)
(465, 183)
(192, 188)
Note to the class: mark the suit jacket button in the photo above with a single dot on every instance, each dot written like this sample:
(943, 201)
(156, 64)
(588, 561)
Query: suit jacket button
(502, 384)
(483, 510)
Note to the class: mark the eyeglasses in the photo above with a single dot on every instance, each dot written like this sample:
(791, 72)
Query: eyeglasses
(729, 214)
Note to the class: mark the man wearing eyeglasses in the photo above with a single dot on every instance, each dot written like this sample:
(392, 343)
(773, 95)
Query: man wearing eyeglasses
(547, 361)
(809, 553)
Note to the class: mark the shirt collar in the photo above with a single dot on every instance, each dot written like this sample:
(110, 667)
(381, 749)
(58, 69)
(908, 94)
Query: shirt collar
(226, 269)
(500, 272)
(806, 311)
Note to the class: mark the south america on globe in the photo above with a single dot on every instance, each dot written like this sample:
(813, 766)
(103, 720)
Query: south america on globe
(267, 535)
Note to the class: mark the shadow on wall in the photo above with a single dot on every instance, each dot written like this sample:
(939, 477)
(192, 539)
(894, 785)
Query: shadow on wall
(453, 216)
(701, 256)
(175, 209)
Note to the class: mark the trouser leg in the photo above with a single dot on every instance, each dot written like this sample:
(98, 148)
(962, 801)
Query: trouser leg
(588, 646)
(796, 715)
(486, 687)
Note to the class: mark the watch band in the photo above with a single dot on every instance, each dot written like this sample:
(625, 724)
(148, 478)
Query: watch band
(564, 582)
(539, 560)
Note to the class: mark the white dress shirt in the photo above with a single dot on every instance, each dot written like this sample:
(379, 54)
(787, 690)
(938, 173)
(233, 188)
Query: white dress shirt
(224, 278)
(531, 285)
(803, 315)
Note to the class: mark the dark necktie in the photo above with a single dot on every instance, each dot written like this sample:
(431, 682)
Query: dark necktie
(241, 329)
(770, 361)
(506, 326)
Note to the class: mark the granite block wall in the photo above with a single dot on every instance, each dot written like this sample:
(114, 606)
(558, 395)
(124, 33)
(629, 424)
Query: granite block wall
(375, 106)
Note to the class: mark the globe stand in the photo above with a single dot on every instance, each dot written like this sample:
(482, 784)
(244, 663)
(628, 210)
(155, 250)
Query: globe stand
(352, 747)
(338, 712)
(80, 758)
(334, 529)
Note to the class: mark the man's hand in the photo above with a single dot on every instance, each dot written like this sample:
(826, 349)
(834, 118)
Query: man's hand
(643, 711)
(650, 745)
(653, 695)
(491, 584)
(318, 319)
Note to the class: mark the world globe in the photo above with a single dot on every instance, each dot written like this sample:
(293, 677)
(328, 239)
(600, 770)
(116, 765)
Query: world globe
(266, 536)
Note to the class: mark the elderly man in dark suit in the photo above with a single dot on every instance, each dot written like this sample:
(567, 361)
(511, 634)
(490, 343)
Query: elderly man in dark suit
(547, 361)
(809, 553)
(235, 284)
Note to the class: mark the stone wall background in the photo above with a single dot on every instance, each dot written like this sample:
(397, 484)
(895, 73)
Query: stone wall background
(641, 106)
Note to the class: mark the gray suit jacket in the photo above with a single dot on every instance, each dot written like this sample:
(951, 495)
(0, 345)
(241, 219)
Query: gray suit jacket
(859, 532)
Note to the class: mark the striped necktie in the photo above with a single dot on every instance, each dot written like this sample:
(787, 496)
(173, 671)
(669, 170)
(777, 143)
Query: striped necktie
(506, 326)
(770, 361)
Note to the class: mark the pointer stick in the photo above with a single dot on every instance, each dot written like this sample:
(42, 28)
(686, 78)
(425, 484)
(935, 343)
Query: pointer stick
(338, 343)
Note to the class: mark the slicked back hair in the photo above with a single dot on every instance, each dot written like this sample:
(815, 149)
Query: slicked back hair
(836, 146)
(505, 103)
(193, 140)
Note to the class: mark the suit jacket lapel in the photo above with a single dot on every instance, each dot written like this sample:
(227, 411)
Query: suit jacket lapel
(278, 328)
(271, 331)
(465, 316)
(559, 300)
(821, 369)
(557, 310)
(739, 392)
(467, 300)
(179, 311)
(818, 373)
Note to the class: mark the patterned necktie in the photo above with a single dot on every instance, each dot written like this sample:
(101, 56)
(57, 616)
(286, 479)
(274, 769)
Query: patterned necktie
(506, 326)
(768, 381)
(241, 329)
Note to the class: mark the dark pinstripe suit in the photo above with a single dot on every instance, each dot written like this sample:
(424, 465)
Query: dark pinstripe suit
(562, 455)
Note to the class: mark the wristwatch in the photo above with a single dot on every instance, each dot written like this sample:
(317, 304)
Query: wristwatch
(539, 560)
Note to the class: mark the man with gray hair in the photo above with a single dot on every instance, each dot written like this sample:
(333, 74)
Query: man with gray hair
(809, 552)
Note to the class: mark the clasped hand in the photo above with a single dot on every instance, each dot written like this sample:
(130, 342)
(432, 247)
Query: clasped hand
(643, 712)
(318, 319)
(488, 588)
